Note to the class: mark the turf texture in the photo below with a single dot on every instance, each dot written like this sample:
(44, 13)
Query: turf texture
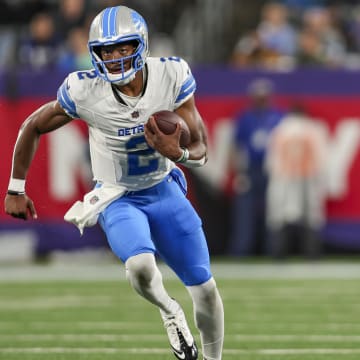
(267, 318)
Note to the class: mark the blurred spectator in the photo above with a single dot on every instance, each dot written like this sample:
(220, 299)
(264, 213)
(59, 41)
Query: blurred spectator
(319, 22)
(296, 160)
(252, 129)
(311, 50)
(13, 15)
(351, 31)
(353, 28)
(7, 47)
(69, 15)
(249, 52)
(275, 31)
(272, 44)
(40, 47)
(76, 55)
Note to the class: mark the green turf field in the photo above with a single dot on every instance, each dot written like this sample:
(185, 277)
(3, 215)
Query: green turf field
(268, 316)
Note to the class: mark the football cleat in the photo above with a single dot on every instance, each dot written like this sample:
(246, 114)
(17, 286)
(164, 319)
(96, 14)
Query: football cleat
(181, 340)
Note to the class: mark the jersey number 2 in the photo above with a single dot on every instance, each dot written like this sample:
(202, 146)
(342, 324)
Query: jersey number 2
(140, 162)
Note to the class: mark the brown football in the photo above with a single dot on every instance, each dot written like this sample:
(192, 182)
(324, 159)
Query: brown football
(166, 122)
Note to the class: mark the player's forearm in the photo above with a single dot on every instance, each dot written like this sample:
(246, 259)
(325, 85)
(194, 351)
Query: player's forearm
(24, 151)
(199, 148)
(47, 118)
(196, 153)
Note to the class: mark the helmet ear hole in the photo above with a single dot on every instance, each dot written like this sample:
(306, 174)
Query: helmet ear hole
(97, 51)
(97, 61)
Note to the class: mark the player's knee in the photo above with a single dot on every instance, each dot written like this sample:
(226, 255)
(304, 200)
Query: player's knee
(140, 270)
(205, 294)
(208, 295)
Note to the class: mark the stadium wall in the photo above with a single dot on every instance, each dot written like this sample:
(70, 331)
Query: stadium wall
(60, 172)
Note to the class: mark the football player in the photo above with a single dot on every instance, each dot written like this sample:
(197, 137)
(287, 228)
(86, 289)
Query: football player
(140, 193)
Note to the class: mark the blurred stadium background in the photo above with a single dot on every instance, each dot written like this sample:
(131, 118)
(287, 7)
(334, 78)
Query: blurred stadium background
(36, 55)
(62, 295)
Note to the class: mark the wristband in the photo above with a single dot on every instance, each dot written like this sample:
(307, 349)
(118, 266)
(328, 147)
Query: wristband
(17, 193)
(184, 156)
(16, 187)
(195, 163)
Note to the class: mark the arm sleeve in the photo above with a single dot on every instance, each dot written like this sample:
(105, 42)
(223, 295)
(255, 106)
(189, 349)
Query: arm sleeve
(186, 85)
(65, 99)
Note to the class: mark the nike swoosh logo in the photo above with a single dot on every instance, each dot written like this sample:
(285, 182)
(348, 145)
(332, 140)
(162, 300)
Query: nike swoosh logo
(179, 354)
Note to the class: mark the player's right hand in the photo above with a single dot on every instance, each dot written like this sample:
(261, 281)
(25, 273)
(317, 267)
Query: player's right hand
(20, 206)
(166, 144)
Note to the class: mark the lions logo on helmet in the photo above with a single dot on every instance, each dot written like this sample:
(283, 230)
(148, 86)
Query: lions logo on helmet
(116, 25)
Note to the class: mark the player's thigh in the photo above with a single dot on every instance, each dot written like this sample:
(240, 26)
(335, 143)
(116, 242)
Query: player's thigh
(179, 237)
(188, 256)
(127, 229)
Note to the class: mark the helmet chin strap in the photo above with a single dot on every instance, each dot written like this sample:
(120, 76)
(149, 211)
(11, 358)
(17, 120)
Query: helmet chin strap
(123, 81)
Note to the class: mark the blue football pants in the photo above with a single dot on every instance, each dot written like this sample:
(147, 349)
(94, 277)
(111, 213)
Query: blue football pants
(160, 220)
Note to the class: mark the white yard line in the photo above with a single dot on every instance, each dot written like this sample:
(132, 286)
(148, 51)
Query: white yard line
(84, 337)
(64, 350)
(159, 337)
(85, 325)
(277, 352)
(307, 351)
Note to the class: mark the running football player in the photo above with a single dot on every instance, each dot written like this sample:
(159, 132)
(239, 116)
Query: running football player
(140, 193)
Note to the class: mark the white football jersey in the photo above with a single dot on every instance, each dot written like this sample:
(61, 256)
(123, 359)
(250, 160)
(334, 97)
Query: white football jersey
(119, 152)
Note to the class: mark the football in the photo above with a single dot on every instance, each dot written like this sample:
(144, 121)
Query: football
(166, 122)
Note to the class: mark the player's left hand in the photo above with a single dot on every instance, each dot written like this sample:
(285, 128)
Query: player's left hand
(20, 206)
(167, 145)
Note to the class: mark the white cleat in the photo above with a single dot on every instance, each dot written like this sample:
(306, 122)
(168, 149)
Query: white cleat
(181, 340)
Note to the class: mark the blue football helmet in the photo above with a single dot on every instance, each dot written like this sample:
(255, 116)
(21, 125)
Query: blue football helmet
(116, 25)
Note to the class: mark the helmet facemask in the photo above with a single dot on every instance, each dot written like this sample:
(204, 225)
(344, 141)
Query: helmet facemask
(121, 77)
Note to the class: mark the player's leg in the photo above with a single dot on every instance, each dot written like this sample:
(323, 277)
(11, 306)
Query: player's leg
(209, 318)
(193, 269)
(135, 248)
(179, 239)
(127, 231)
(145, 277)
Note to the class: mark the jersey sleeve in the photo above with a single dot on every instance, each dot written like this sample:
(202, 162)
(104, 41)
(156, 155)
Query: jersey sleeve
(66, 99)
(186, 84)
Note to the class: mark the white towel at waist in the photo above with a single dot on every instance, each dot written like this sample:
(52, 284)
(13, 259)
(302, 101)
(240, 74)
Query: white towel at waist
(85, 213)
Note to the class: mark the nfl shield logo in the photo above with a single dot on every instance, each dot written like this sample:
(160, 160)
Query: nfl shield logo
(94, 200)
(135, 114)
